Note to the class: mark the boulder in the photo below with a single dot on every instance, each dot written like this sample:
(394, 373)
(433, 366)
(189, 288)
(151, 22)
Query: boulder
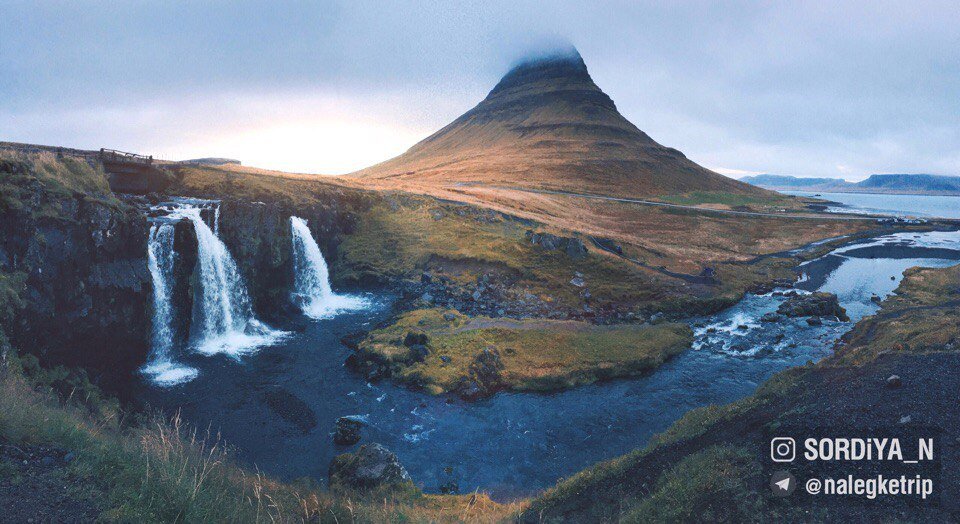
(484, 377)
(418, 352)
(573, 247)
(347, 432)
(771, 317)
(813, 305)
(894, 381)
(372, 466)
(414, 339)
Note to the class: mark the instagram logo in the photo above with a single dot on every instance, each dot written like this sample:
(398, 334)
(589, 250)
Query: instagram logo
(783, 449)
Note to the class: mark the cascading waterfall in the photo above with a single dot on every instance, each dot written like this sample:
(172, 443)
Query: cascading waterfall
(312, 291)
(223, 317)
(161, 367)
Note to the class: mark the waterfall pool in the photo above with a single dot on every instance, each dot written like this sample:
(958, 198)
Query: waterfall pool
(515, 444)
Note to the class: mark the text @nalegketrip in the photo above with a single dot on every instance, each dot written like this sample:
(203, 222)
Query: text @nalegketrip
(854, 464)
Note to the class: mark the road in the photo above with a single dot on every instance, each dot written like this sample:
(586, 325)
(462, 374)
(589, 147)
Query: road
(675, 206)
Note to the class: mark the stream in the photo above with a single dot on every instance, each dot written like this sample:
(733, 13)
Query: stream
(513, 444)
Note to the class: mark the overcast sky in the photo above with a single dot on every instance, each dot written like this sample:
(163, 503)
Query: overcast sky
(802, 88)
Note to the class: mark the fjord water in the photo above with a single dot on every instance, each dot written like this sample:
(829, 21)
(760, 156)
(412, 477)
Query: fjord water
(517, 443)
(895, 205)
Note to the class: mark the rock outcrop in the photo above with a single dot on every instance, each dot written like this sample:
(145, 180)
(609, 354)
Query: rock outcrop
(347, 431)
(80, 261)
(370, 467)
(818, 304)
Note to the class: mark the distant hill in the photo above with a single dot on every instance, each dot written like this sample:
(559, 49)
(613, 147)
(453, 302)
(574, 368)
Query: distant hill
(547, 125)
(908, 184)
(781, 182)
(211, 161)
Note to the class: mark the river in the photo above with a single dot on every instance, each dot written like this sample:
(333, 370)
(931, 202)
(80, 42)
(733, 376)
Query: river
(515, 444)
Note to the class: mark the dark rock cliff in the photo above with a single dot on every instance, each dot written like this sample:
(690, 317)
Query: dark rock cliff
(82, 264)
(258, 236)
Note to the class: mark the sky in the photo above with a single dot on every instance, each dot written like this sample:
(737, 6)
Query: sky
(841, 89)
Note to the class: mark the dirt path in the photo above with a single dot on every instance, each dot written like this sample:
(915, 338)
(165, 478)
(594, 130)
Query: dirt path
(36, 486)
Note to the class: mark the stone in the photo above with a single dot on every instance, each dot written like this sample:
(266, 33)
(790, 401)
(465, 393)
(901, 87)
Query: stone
(418, 352)
(449, 317)
(814, 321)
(577, 281)
(413, 339)
(573, 247)
(371, 466)
(906, 419)
(483, 378)
(347, 431)
(818, 304)
(771, 317)
(894, 381)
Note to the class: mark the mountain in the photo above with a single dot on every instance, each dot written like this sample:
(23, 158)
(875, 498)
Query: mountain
(793, 183)
(925, 183)
(908, 184)
(547, 125)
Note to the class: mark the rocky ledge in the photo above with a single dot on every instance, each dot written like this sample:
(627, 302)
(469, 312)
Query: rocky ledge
(371, 467)
(818, 304)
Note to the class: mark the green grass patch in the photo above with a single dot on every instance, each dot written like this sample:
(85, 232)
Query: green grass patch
(696, 198)
(537, 355)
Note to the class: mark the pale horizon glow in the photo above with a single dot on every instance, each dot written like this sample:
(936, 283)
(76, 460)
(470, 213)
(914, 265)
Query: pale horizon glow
(844, 89)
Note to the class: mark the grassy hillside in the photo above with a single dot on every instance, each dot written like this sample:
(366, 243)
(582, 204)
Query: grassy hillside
(707, 466)
(546, 125)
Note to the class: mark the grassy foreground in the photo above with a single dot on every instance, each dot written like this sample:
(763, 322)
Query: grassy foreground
(537, 355)
(156, 470)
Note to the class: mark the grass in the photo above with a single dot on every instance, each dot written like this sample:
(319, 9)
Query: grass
(717, 484)
(403, 236)
(538, 355)
(159, 470)
(702, 480)
(730, 200)
(255, 185)
(22, 174)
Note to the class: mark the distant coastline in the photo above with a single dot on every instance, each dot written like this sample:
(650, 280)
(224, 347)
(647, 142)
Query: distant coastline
(882, 184)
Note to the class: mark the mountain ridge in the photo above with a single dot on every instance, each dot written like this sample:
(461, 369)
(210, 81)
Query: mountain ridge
(547, 125)
(894, 183)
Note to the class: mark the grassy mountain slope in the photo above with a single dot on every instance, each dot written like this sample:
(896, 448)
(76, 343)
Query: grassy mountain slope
(547, 125)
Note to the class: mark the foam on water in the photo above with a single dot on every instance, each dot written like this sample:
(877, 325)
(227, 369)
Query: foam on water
(160, 368)
(312, 290)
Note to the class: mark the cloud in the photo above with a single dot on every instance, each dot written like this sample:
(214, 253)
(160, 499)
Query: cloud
(795, 88)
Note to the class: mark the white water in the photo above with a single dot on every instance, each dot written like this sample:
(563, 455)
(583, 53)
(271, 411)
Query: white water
(161, 367)
(223, 320)
(311, 289)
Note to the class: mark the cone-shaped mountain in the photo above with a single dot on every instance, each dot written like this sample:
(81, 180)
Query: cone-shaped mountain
(547, 125)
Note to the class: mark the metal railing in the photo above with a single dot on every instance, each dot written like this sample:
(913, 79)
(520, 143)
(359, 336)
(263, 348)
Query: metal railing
(112, 155)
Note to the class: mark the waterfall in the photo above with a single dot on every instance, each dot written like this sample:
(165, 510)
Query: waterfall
(160, 257)
(223, 316)
(311, 278)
